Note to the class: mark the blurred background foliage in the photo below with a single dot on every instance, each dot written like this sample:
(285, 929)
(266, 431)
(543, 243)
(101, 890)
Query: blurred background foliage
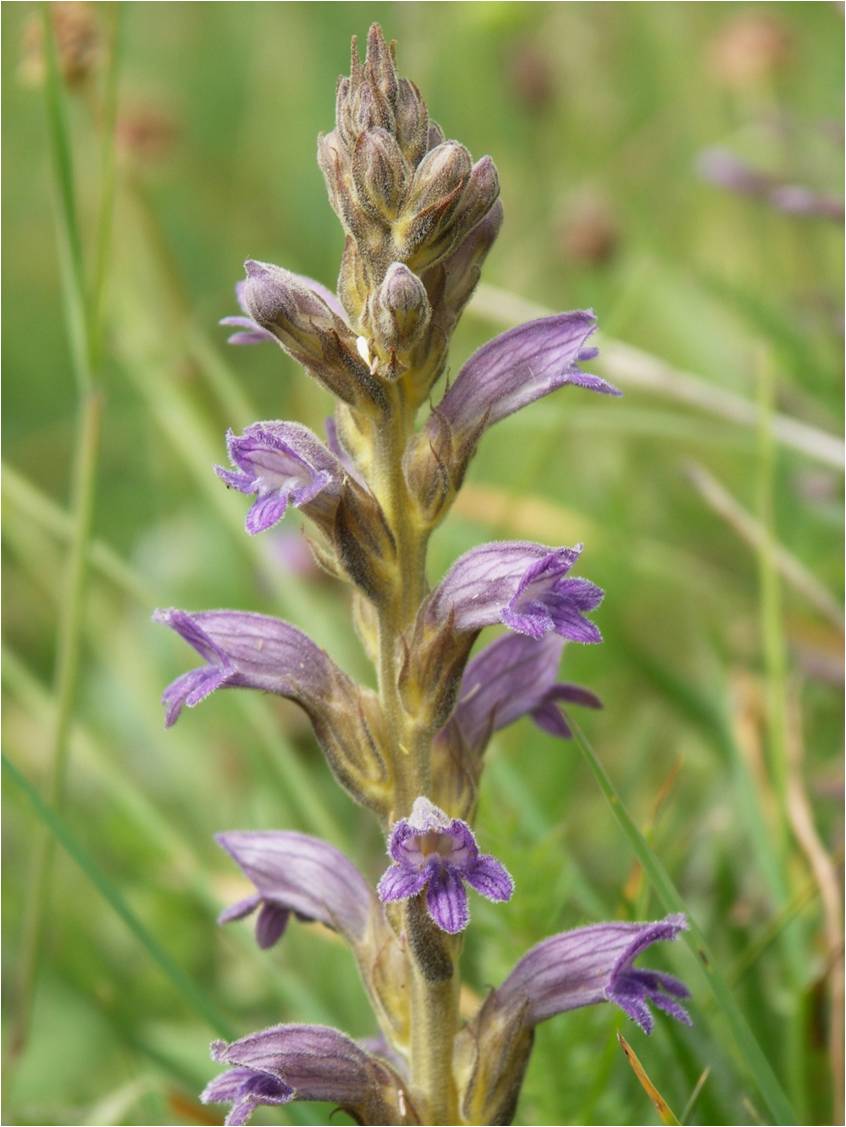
(717, 542)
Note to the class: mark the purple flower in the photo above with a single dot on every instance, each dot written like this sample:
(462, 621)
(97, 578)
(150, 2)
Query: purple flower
(293, 872)
(595, 964)
(576, 968)
(431, 849)
(251, 332)
(283, 464)
(518, 367)
(256, 652)
(520, 584)
(515, 676)
(305, 1062)
(249, 651)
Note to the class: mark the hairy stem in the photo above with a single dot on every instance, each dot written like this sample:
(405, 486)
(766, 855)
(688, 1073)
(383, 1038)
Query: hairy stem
(410, 754)
(434, 956)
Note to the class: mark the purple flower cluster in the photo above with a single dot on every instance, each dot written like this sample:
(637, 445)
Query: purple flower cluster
(419, 218)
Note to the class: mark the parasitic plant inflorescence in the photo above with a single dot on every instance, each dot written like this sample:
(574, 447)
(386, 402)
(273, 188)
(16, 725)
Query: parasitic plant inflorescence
(419, 216)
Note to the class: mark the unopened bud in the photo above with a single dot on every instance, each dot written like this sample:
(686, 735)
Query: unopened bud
(400, 310)
(296, 315)
(370, 110)
(380, 173)
(412, 121)
(309, 331)
(476, 201)
(435, 136)
(434, 195)
(332, 158)
(379, 65)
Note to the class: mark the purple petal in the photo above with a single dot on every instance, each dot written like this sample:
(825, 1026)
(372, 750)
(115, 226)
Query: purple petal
(283, 463)
(591, 965)
(549, 719)
(250, 651)
(303, 874)
(490, 878)
(192, 688)
(239, 910)
(520, 584)
(446, 900)
(574, 694)
(270, 925)
(246, 1089)
(266, 511)
(399, 882)
(316, 1063)
(518, 367)
(483, 581)
(403, 845)
(505, 681)
(545, 601)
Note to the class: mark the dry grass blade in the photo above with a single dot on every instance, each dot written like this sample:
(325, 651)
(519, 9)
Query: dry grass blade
(753, 533)
(825, 873)
(665, 1112)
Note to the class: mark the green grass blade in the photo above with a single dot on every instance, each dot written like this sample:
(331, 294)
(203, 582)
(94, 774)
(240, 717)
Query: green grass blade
(70, 240)
(759, 1067)
(59, 829)
(108, 184)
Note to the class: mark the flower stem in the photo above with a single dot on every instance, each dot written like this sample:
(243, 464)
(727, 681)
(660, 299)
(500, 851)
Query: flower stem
(410, 753)
(434, 1020)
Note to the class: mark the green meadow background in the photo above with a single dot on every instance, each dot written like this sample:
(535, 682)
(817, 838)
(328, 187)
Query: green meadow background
(713, 522)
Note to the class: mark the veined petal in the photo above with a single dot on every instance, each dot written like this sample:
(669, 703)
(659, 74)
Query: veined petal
(283, 464)
(314, 1062)
(590, 965)
(518, 583)
(508, 679)
(518, 367)
(299, 873)
(398, 882)
(246, 1089)
(446, 900)
(251, 651)
(490, 878)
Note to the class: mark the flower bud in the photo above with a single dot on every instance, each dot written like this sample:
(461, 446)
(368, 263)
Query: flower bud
(380, 173)
(371, 110)
(332, 158)
(435, 136)
(379, 65)
(476, 201)
(433, 197)
(311, 333)
(400, 309)
(412, 121)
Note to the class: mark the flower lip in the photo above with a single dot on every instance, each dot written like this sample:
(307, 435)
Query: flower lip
(283, 464)
(432, 851)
